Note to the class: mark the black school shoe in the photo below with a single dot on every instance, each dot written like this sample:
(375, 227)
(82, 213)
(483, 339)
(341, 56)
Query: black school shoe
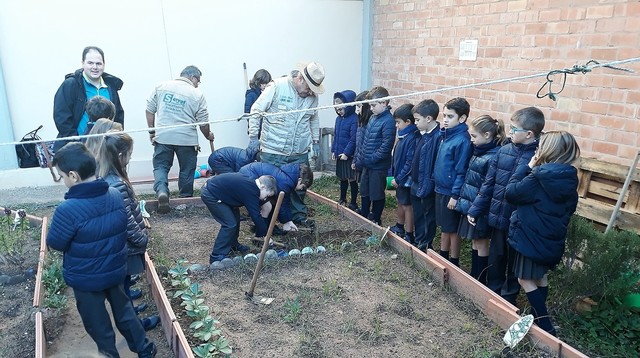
(135, 294)
(140, 308)
(150, 322)
(150, 352)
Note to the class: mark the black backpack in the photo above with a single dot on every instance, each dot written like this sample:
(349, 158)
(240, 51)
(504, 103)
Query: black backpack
(26, 153)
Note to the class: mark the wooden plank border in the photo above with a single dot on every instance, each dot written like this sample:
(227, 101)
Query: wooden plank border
(495, 307)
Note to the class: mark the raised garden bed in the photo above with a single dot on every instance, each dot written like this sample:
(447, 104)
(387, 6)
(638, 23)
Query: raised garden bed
(360, 302)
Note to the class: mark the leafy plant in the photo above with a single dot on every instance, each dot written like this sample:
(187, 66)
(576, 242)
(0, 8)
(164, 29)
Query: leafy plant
(204, 326)
(13, 234)
(293, 310)
(331, 290)
(605, 268)
(54, 282)
(609, 330)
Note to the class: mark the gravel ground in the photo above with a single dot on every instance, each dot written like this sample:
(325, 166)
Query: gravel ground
(53, 194)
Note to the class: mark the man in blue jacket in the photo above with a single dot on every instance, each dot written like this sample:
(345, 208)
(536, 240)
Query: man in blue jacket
(90, 228)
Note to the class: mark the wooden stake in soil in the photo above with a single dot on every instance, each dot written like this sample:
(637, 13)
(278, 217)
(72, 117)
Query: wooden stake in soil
(265, 246)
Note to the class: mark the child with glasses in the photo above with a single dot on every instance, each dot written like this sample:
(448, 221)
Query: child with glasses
(526, 126)
(377, 144)
(545, 193)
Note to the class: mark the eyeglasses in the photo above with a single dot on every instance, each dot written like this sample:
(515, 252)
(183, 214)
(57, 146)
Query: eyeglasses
(514, 129)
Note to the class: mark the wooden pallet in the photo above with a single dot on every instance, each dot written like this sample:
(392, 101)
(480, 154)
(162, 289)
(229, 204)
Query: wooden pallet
(599, 189)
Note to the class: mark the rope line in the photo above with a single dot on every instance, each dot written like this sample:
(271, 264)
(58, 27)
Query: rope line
(588, 67)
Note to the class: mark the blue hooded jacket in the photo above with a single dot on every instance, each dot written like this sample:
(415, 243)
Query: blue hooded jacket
(452, 161)
(286, 180)
(90, 228)
(403, 155)
(344, 137)
(545, 198)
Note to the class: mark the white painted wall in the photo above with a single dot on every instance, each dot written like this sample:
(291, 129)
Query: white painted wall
(149, 41)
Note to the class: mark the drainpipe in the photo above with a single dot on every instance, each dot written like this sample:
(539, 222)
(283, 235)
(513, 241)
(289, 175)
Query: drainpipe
(8, 159)
(367, 44)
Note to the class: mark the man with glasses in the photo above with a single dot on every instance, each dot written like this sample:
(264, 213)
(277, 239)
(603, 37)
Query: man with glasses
(176, 102)
(290, 124)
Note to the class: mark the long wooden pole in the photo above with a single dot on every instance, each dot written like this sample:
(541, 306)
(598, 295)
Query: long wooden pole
(265, 245)
(623, 192)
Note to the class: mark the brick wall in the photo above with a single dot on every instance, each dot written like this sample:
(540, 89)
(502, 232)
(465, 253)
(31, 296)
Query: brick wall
(416, 47)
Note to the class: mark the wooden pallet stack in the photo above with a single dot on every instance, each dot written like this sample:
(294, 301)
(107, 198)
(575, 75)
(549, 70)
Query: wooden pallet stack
(601, 189)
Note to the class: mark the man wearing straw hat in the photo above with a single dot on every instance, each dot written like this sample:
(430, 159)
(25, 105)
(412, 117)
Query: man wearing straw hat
(287, 137)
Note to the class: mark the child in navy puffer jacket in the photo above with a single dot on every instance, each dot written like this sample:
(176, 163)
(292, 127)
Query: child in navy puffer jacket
(344, 146)
(377, 144)
(487, 134)
(545, 195)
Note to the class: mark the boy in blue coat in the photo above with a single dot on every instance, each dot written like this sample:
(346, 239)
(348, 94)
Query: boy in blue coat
(289, 177)
(408, 135)
(90, 227)
(377, 144)
(231, 159)
(525, 129)
(223, 195)
(423, 199)
(451, 167)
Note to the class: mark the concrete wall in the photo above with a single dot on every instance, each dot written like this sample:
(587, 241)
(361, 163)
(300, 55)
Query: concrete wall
(416, 48)
(148, 41)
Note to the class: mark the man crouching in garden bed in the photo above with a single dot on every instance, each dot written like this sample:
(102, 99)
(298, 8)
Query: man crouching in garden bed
(224, 194)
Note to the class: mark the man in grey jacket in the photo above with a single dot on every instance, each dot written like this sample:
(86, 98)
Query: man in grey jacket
(287, 137)
(172, 103)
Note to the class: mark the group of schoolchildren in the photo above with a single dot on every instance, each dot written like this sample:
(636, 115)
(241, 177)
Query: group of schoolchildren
(512, 196)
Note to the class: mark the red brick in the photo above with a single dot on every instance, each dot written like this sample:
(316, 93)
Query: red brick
(604, 147)
(535, 28)
(573, 13)
(624, 138)
(516, 6)
(628, 152)
(595, 12)
(627, 82)
(582, 27)
(594, 107)
(610, 25)
(608, 121)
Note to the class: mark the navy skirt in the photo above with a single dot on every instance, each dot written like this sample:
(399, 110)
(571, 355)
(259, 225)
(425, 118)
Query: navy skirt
(527, 269)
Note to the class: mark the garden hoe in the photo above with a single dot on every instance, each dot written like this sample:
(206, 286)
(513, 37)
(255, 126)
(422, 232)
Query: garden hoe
(265, 246)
